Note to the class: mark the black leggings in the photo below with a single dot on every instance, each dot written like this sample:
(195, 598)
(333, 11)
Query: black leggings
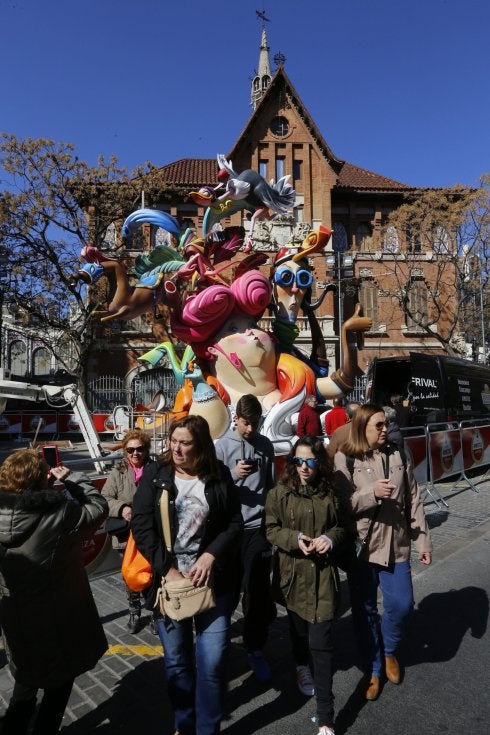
(315, 640)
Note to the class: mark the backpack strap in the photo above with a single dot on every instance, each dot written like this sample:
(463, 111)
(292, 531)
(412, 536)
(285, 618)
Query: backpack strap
(349, 461)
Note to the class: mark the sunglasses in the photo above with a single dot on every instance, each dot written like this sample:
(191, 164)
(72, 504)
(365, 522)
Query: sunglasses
(310, 462)
(380, 425)
(140, 449)
(287, 277)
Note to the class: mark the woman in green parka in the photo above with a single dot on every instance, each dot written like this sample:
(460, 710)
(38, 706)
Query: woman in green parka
(303, 523)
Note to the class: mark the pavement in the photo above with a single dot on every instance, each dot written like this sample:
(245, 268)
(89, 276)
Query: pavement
(445, 653)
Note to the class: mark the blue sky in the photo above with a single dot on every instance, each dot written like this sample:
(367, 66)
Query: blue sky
(401, 88)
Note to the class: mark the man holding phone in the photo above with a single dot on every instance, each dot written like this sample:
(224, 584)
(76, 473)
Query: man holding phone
(250, 458)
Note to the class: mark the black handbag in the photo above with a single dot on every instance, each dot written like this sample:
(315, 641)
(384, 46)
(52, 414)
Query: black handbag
(118, 527)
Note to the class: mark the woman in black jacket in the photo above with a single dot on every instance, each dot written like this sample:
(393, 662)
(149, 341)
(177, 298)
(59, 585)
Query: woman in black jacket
(50, 623)
(206, 522)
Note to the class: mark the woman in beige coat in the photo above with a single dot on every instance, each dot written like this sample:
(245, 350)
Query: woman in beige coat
(119, 490)
(389, 515)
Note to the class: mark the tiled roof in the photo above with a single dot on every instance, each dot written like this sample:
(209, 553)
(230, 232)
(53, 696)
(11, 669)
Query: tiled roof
(190, 172)
(196, 172)
(353, 177)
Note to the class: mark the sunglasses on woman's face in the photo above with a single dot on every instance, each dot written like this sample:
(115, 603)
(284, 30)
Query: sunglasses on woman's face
(310, 462)
(130, 450)
(380, 425)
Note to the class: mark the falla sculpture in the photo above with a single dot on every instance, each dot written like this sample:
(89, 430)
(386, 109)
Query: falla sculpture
(228, 354)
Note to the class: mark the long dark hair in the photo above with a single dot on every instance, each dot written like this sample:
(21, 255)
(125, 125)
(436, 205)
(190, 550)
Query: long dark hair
(323, 481)
(206, 461)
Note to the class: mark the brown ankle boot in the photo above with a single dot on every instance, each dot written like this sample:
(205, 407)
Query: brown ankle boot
(392, 669)
(372, 691)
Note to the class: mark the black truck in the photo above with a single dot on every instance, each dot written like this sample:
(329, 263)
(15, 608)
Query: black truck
(438, 387)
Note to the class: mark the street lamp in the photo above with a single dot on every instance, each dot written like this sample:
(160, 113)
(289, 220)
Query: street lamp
(482, 315)
(342, 267)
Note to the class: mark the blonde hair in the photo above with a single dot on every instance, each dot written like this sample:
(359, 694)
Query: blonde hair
(23, 470)
(357, 444)
(141, 436)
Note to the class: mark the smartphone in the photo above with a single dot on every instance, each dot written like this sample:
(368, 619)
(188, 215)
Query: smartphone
(50, 454)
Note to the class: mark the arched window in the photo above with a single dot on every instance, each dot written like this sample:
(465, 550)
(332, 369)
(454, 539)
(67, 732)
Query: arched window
(18, 358)
(109, 239)
(368, 297)
(440, 241)
(413, 239)
(416, 316)
(389, 239)
(339, 237)
(364, 237)
(41, 361)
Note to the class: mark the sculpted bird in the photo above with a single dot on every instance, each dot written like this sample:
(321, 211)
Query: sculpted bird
(247, 190)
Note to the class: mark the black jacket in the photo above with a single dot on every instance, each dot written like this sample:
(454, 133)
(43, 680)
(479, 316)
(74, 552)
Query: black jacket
(224, 525)
(48, 615)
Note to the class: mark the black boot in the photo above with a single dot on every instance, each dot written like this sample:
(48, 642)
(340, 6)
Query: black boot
(134, 602)
(134, 621)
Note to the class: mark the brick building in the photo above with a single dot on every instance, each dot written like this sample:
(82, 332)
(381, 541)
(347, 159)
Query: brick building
(372, 262)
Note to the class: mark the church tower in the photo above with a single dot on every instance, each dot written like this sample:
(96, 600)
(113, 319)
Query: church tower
(263, 78)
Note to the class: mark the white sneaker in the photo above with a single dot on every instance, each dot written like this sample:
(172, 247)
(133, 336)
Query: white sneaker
(305, 681)
(325, 730)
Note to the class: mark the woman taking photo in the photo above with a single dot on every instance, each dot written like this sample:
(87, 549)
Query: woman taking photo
(389, 514)
(302, 521)
(206, 523)
(119, 490)
(50, 623)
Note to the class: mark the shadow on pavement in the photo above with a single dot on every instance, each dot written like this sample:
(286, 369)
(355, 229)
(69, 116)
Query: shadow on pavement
(139, 704)
(440, 622)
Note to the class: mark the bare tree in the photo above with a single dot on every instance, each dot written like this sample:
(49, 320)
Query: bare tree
(51, 206)
(438, 245)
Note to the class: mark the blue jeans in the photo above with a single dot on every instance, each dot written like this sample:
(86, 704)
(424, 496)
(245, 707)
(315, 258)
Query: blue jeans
(376, 638)
(197, 684)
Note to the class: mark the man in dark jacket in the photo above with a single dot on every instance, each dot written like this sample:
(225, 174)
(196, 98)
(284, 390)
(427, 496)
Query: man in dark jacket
(309, 423)
(250, 458)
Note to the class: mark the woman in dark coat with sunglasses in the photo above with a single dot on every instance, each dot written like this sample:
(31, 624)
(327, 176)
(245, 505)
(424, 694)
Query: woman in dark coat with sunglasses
(303, 521)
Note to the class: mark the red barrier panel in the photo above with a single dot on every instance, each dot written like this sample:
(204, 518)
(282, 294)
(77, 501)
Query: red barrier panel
(416, 449)
(445, 453)
(476, 446)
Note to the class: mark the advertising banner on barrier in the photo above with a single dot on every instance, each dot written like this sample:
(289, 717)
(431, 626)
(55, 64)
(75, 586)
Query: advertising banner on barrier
(476, 446)
(46, 422)
(416, 450)
(11, 423)
(445, 454)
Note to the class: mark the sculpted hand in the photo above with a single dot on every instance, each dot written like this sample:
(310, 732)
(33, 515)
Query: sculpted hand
(358, 323)
(200, 572)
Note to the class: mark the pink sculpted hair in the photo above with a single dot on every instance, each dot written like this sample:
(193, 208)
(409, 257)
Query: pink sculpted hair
(204, 313)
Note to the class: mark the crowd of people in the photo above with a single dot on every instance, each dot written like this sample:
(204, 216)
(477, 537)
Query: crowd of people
(231, 530)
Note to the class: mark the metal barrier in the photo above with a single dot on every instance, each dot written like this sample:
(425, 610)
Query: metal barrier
(475, 445)
(54, 424)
